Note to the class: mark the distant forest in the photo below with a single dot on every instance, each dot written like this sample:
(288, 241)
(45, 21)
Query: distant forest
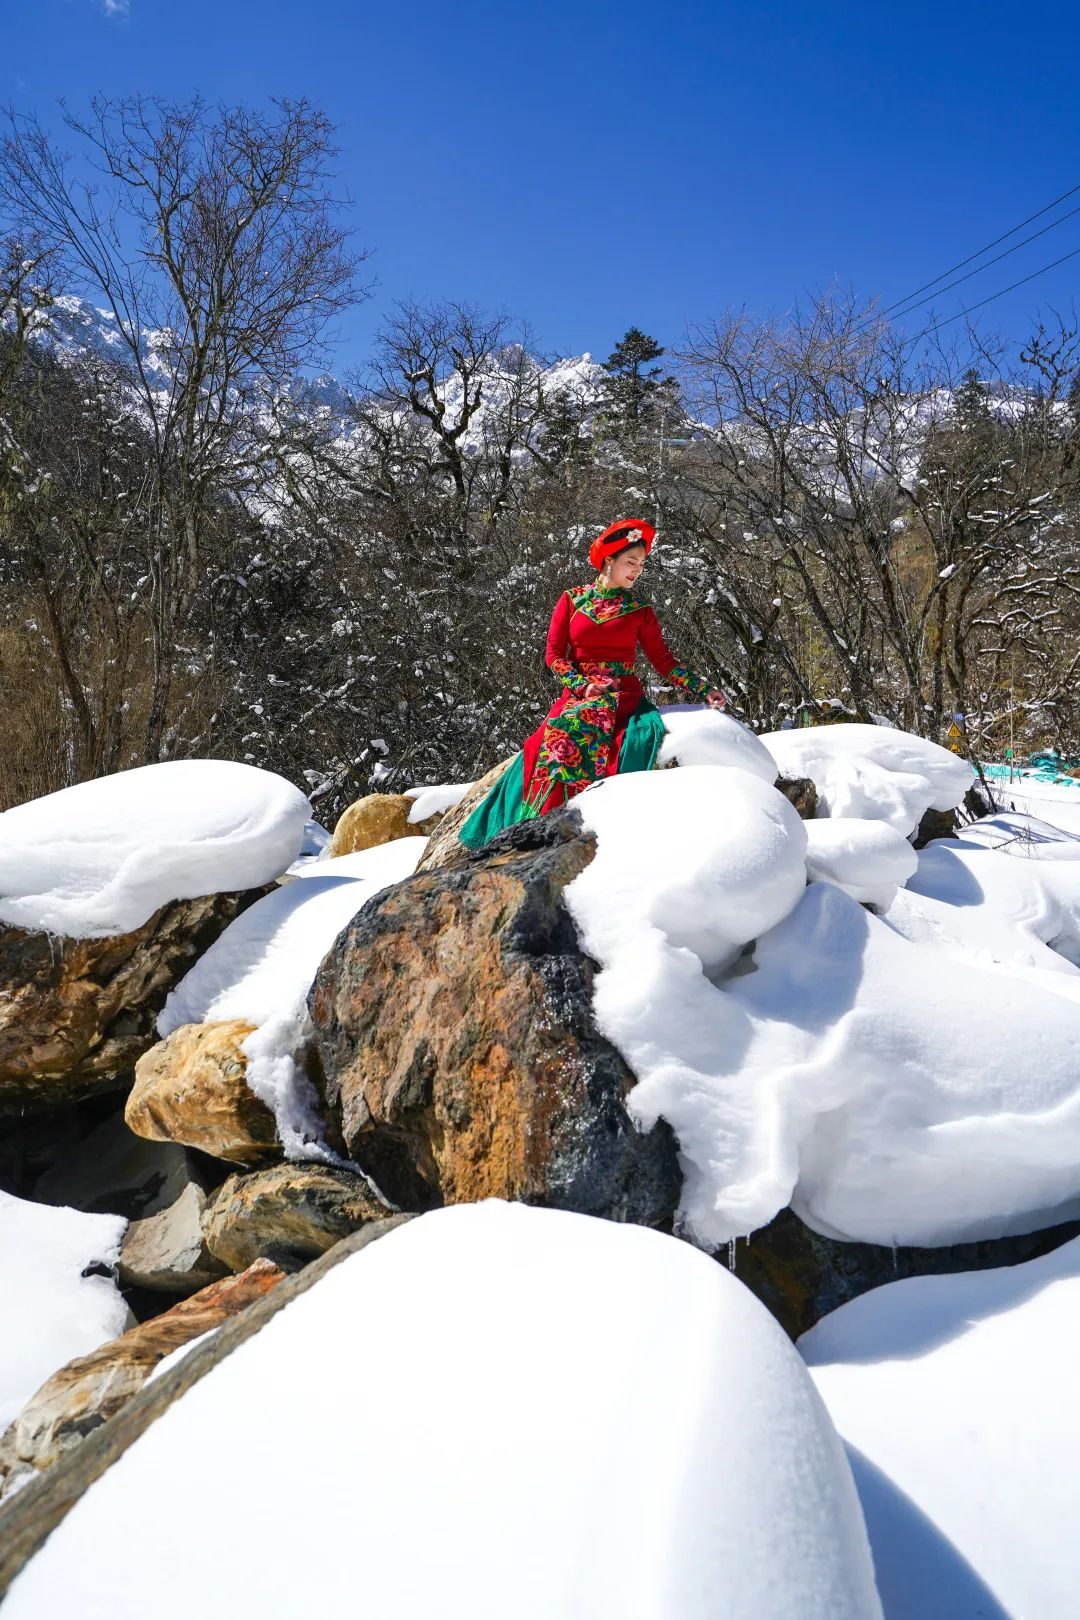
(205, 552)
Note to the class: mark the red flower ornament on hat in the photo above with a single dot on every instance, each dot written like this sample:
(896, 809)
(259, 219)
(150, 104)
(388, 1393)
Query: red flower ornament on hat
(627, 532)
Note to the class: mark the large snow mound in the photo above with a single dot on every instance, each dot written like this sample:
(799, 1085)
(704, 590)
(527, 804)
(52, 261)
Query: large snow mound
(101, 857)
(873, 772)
(959, 1401)
(52, 1312)
(612, 1426)
(262, 967)
(891, 1078)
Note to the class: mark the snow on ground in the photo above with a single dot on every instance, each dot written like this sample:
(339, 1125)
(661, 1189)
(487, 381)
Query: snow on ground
(53, 1313)
(261, 969)
(958, 1398)
(1053, 801)
(890, 1092)
(101, 857)
(432, 801)
(872, 772)
(615, 1428)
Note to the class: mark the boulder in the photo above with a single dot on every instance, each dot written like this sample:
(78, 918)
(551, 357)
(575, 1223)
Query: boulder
(165, 1250)
(444, 847)
(801, 792)
(454, 1024)
(379, 818)
(76, 1014)
(291, 1212)
(801, 1276)
(33, 1512)
(86, 1393)
(191, 1088)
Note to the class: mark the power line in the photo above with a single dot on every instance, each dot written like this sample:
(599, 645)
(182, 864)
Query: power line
(980, 251)
(980, 268)
(934, 325)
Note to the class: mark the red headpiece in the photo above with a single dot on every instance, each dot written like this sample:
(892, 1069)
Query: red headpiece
(627, 532)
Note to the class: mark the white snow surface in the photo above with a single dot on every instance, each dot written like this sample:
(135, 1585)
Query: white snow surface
(957, 1397)
(52, 1313)
(1055, 802)
(617, 1428)
(431, 801)
(909, 1078)
(101, 857)
(262, 967)
(869, 860)
(706, 736)
(873, 772)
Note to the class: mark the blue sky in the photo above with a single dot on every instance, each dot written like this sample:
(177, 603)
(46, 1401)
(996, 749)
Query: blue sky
(598, 164)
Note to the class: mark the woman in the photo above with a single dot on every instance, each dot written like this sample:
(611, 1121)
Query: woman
(602, 723)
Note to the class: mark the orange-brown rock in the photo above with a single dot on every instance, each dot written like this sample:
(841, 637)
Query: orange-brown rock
(380, 818)
(444, 847)
(85, 1394)
(291, 1211)
(454, 1023)
(76, 1014)
(191, 1088)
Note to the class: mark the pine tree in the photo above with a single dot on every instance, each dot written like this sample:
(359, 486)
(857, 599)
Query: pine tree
(636, 391)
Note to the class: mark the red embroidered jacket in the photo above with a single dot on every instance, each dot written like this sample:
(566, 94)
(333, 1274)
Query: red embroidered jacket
(594, 624)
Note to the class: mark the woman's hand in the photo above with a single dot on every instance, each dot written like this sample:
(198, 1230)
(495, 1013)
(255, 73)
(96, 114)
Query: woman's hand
(599, 686)
(716, 699)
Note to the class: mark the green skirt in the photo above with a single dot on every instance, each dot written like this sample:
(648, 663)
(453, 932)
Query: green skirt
(503, 806)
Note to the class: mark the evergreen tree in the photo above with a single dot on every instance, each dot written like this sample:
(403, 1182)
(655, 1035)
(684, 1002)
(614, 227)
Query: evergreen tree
(636, 391)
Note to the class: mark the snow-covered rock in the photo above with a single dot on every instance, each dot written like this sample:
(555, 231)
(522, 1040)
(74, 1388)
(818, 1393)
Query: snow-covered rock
(615, 1427)
(261, 968)
(51, 1310)
(708, 737)
(869, 860)
(872, 772)
(101, 857)
(435, 801)
(958, 1399)
(888, 1092)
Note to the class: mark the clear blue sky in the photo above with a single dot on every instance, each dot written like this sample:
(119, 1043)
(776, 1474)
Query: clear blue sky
(592, 164)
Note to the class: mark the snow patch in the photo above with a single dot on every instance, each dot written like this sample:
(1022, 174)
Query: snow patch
(873, 772)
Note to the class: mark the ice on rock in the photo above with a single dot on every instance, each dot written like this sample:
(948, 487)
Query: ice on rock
(618, 1428)
(958, 1398)
(262, 967)
(872, 772)
(707, 737)
(869, 860)
(101, 857)
(52, 1312)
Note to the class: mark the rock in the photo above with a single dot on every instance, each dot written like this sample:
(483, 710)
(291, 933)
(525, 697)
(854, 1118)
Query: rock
(88, 1391)
(801, 1276)
(33, 1512)
(190, 1088)
(380, 818)
(165, 1251)
(291, 1212)
(444, 847)
(801, 792)
(76, 1014)
(454, 1024)
(112, 1171)
(935, 824)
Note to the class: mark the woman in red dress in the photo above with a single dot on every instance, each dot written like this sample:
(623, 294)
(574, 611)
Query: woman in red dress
(602, 722)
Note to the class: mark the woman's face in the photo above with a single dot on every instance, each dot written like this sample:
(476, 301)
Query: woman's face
(626, 567)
